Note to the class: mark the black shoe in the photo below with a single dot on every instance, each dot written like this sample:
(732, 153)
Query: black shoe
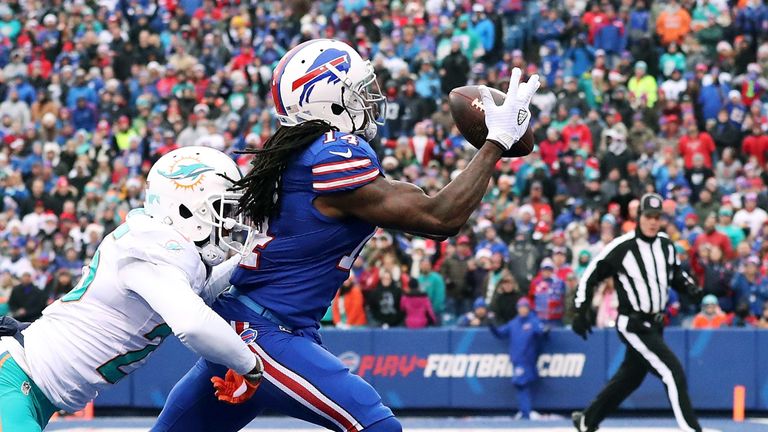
(579, 422)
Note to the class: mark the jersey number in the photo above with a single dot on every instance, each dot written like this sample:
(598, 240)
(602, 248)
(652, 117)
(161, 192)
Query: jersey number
(85, 282)
(111, 370)
(350, 139)
(79, 290)
(260, 241)
(256, 243)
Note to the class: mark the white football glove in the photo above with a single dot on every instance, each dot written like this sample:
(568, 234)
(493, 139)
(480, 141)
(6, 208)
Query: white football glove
(507, 123)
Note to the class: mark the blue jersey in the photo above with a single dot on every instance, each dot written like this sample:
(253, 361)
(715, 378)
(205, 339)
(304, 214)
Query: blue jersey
(296, 269)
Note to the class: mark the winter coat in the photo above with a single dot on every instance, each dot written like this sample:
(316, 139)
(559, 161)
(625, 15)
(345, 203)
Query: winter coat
(418, 310)
(524, 334)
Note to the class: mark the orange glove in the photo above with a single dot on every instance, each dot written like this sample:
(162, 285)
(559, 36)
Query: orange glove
(235, 388)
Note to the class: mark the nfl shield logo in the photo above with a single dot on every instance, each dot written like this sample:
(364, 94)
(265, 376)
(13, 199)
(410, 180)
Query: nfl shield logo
(521, 116)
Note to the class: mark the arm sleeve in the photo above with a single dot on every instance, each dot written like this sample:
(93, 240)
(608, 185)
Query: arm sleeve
(602, 267)
(194, 323)
(682, 282)
(344, 164)
(500, 332)
(219, 280)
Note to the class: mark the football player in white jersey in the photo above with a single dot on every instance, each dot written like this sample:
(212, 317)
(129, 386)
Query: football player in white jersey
(152, 276)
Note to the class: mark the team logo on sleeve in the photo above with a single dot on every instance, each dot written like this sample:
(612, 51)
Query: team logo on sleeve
(319, 71)
(173, 246)
(186, 173)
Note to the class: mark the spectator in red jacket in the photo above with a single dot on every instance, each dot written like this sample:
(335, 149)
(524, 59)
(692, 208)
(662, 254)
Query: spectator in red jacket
(560, 260)
(547, 293)
(695, 142)
(577, 129)
(756, 144)
(706, 240)
(594, 19)
(551, 147)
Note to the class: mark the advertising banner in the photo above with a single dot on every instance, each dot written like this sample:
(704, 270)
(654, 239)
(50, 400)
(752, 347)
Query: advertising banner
(458, 368)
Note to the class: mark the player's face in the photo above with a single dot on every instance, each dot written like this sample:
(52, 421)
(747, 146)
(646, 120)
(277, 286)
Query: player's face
(650, 224)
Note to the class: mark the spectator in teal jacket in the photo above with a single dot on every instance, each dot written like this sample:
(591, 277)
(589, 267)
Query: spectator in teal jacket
(431, 282)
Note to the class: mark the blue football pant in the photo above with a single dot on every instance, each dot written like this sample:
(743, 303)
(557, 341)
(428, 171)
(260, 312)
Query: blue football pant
(301, 379)
(524, 399)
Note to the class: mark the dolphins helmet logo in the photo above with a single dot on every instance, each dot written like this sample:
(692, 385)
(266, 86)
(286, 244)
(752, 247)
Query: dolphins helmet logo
(319, 71)
(173, 246)
(186, 173)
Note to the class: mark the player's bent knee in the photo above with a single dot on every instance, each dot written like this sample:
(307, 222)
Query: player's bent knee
(389, 424)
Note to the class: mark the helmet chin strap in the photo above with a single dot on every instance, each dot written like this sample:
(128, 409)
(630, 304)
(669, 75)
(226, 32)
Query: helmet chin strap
(216, 250)
(212, 255)
(368, 129)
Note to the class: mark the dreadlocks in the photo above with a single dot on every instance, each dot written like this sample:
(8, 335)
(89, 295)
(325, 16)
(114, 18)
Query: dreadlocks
(263, 184)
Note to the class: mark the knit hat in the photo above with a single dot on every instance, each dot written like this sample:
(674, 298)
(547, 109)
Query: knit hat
(479, 303)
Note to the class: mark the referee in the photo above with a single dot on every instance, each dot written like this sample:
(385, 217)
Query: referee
(644, 266)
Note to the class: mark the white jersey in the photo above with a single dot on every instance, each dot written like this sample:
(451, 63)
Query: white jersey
(110, 323)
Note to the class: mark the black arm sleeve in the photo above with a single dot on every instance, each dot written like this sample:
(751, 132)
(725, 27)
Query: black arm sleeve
(682, 282)
(605, 265)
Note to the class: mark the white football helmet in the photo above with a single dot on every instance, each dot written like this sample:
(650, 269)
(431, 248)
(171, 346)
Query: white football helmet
(186, 189)
(326, 79)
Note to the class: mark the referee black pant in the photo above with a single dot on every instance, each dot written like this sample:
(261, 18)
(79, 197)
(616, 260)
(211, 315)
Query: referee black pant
(646, 352)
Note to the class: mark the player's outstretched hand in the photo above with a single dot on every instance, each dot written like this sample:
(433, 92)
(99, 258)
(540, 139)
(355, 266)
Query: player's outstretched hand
(235, 388)
(507, 123)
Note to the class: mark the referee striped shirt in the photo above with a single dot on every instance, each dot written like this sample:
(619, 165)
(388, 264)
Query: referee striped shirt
(643, 269)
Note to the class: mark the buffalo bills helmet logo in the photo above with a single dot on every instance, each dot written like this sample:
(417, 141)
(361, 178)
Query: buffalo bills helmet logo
(351, 360)
(319, 71)
(249, 335)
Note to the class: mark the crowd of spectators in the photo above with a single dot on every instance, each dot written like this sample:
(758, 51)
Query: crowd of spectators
(636, 96)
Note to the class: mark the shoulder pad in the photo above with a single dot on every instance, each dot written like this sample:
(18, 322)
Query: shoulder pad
(146, 239)
(343, 162)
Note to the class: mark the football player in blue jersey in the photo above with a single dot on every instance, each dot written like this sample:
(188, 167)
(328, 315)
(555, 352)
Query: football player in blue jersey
(317, 194)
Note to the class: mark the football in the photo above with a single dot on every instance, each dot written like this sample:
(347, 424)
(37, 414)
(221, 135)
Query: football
(467, 111)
